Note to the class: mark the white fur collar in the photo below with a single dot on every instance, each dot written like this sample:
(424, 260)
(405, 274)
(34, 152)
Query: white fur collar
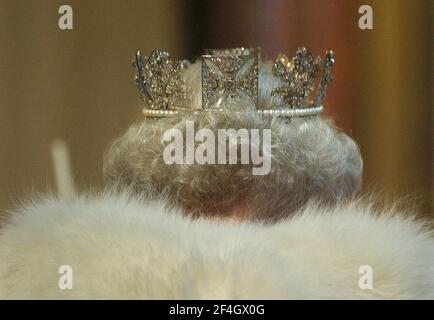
(121, 247)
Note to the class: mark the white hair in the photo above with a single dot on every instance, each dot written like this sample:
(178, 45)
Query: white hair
(310, 159)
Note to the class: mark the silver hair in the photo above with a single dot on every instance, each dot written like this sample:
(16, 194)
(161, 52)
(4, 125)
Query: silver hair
(311, 158)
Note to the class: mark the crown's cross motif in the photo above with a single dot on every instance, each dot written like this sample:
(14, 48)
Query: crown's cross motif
(159, 80)
(229, 76)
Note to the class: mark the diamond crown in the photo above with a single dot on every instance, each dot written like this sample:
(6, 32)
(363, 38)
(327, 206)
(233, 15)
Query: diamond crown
(233, 73)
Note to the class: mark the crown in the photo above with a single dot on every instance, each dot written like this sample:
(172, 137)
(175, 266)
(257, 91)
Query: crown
(233, 73)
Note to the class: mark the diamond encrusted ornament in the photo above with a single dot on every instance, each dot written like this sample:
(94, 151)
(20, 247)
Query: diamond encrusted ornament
(232, 73)
(228, 76)
(326, 77)
(298, 75)
(160, 81)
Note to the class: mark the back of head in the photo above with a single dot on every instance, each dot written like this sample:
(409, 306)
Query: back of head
(309, 158)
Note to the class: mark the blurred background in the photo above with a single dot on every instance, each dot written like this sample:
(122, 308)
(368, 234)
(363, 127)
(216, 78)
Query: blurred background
(78, 84)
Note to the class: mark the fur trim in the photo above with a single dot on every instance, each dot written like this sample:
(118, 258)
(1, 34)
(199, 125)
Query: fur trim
(121, 247)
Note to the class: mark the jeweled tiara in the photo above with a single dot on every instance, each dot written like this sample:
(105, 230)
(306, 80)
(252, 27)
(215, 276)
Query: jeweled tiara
(232, 73)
